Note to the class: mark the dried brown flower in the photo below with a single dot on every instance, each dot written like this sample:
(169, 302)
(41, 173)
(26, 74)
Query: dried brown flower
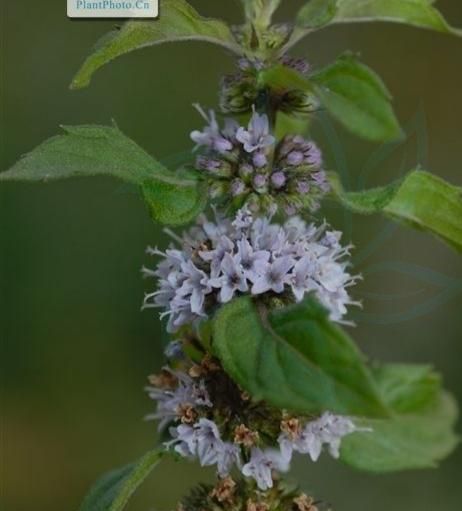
(245, 396)
(291, 427)
(209, 364)
(244, 436)
(164, 380)
(196, 371)
(305, 503)
(256, 506)
(224, 490)
(187, 414)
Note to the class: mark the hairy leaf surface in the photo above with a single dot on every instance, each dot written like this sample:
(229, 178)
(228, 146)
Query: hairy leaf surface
(178, 21)
(113, 491)
(102, 150)
(350, 91)
(319, 13)
(357, 98)
(421, 200)
(295, 359)
(420, 433)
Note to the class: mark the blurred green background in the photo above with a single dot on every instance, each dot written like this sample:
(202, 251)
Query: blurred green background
(75, 349)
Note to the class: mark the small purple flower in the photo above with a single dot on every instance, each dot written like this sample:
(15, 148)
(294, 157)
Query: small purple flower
(195, 285)
(208, 441)
(227, 457)
(203, 440)
(257, 135)
(232, 279)
(211, 136)
(184, 440)
(250, 259)
(302, 278)
(215, 256)
(273, 276)
(259, 468)
(261, 465)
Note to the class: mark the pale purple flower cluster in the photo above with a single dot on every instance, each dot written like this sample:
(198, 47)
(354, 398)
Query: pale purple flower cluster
(221, 259)
(188, 392)
(255, 139)
(200, 436)
(203, 440)
(246, 166)
(327, 431)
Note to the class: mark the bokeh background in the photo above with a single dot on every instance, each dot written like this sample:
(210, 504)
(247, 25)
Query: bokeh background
(75, 348)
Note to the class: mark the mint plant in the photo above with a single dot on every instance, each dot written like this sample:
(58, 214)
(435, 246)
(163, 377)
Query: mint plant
(256, 294)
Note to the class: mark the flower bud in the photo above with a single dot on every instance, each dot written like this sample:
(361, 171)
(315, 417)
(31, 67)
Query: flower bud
(260, 182)
(278, 179)
(237, 187)
(245, 170)
(295, 158)
(259, 159)
(303, 187)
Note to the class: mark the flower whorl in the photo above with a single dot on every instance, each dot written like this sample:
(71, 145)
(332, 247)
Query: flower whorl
(246, 167)
(221, 259)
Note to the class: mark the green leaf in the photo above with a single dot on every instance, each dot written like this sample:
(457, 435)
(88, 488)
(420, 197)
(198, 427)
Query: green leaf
(418, 436)
(100, 150)
(421, 200)
(319, 13)
(295, 359)
(291, 125)
(113, 491)
(260, 12)
(407, 388)
(349, 90)
(357, 98)
(281, 77)
(178, 21)
(174, 201)
(86, 151)
(419, 13)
